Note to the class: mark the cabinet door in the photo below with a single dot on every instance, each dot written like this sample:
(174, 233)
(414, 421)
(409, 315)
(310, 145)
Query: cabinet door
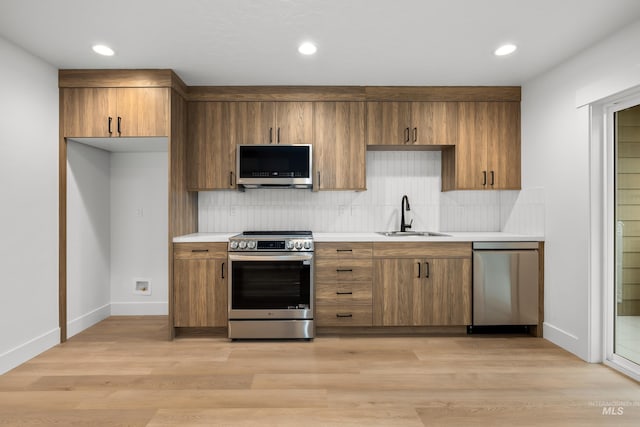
(434, 123)
(339, 149)
(397, 289)
(471, 148)
(446, 292)
(388, 123)
(87, 111)
(210, 149)
(503, 150)
(294, 123)
(253, 123)
(143, 111)
(200, 293)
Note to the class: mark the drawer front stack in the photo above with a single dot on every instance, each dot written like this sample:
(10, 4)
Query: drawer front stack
(344, 274)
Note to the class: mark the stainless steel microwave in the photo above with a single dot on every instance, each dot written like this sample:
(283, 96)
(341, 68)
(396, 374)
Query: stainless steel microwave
(275, 166)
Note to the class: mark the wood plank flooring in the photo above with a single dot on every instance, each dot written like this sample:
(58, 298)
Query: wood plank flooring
(123, 371)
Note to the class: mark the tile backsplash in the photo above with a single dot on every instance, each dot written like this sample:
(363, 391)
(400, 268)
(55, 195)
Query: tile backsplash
(390, 175)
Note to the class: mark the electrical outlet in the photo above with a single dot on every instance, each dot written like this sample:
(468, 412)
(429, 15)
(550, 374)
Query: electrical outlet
(139, 212)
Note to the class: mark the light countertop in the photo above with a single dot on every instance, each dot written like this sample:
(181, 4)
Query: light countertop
(453, 236)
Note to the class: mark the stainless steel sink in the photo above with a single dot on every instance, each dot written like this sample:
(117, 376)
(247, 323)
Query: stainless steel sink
(412, 233)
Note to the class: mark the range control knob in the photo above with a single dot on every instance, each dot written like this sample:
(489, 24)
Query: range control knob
(251, 244)
(243, 244)
(298, 245)
(307, 245)
(234, 244)
(289, 244)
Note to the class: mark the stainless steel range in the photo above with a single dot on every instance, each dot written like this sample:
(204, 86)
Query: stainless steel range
(271, 285)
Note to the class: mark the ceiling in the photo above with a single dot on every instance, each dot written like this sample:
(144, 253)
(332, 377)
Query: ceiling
(360, 42)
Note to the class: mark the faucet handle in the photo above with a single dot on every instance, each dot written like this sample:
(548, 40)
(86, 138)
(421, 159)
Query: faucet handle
(409, 225)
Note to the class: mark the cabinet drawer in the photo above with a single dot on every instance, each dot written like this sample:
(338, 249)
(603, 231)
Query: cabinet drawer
(357, 293)
(343, 270)
(199, 250)
(343, 250)
(343, 315)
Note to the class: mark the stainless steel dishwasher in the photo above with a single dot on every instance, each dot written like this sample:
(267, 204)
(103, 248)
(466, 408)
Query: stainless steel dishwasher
(505, 283)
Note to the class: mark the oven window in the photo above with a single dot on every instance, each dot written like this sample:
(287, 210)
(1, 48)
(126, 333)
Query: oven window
(270, 285)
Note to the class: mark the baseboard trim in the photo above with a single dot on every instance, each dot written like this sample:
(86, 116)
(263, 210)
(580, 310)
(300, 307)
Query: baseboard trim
(564, 339)
(139, 308)
(24, 352)
(85, 321)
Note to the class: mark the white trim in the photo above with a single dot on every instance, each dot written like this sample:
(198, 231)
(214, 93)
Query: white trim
(24, 352)
(561, 338)
(87, 320)
(139, 308)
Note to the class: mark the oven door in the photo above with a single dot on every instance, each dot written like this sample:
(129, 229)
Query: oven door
(271, 285)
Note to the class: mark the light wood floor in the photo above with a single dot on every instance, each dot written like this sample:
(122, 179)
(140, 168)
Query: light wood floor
(123, 371)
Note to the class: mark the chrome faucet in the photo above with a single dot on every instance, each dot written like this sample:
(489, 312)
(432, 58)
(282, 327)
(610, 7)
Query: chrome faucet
(403, 226)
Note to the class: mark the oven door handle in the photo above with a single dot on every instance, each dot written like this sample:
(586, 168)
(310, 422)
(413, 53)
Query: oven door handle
(272, 256)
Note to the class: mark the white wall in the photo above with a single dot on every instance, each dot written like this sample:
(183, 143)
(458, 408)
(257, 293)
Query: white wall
(390, 175)
(555, 156)
(139, 230)
(88, 236)
(29, 209)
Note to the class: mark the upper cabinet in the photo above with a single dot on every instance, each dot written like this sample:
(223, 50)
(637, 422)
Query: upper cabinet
(339, 149)
(487, 155)
(274, 122)
(411, 123)
(114, 112)
(211, 146)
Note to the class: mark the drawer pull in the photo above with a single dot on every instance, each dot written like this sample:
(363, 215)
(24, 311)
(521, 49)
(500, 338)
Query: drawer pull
(344, 293)
(339, 315)
(344, 250)
(199, 250)
(344, 270)
(222, 276)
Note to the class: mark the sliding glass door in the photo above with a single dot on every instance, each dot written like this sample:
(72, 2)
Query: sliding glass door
(626, 229)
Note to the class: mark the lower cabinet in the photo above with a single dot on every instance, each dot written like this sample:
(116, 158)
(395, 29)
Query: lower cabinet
(343, 284)
(422, 284)
(200, 273)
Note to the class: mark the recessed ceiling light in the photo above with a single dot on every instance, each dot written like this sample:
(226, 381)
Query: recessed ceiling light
(307, 48)
(102, 50)
(505, 49)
